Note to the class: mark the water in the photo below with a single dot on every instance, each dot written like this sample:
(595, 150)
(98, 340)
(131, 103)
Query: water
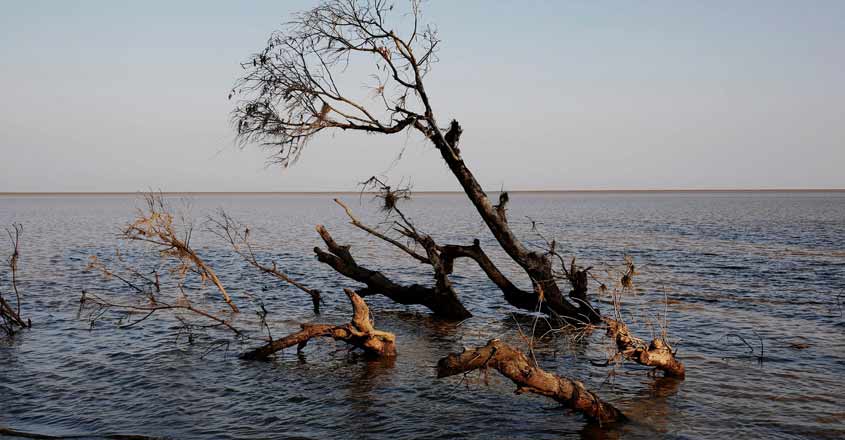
(768, 267)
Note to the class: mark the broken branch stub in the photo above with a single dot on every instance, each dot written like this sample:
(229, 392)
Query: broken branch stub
(359, 333)
(513, 364)
(657, 354)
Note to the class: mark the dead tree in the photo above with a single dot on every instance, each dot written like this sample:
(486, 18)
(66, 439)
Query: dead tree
(359, 333)
(530, 378)
(291, 91)
(10, 314)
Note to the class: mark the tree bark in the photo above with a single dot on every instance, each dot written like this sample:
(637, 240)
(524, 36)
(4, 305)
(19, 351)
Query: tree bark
(513, 364)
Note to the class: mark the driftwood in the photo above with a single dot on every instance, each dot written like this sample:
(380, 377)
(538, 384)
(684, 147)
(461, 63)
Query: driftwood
(657, 354)
(359, 333)
(530, 378)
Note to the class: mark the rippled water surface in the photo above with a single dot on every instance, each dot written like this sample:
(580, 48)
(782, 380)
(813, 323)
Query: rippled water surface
(768, 267)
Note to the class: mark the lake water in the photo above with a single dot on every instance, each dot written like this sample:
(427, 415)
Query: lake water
(766, 266)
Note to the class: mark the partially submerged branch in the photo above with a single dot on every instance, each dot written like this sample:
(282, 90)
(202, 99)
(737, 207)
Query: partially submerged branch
(513, 295)
(99, 306)
(359, 333)
(340, 259)
(10, 315)
(528, 377)
(238, 237)
(657, 354)
(162, 287)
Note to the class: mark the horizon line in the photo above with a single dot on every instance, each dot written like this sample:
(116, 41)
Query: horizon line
(433, 192)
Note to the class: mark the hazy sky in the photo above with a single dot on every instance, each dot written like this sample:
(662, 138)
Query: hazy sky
(126, 96)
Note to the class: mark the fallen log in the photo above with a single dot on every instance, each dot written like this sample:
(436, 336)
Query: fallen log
(528, 377)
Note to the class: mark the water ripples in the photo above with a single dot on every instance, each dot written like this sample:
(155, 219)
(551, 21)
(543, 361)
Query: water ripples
(767, 264)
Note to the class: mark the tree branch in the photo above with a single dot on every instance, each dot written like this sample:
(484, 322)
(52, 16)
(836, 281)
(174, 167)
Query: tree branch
(528, 377)
(359, 333)
(341, 260)
(238, 237)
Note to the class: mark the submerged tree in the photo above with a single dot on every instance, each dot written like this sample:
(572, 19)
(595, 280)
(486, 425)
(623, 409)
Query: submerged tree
(294, 89)
(298, 86)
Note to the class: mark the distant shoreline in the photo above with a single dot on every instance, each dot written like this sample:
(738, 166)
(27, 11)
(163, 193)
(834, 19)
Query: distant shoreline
(318, 193)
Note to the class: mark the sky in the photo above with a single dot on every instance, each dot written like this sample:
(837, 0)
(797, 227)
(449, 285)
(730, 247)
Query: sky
(552, 95)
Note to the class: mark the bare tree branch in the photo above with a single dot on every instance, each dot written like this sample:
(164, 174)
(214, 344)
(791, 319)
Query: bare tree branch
(238, 237)
(442, 303)
(357, 223)
(10, 316)
(360, 333)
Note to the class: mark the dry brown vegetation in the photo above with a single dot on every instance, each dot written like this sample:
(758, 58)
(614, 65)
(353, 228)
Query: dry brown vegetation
(157, 226)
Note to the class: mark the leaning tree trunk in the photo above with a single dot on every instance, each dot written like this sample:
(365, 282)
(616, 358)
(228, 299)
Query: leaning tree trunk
(537, 265)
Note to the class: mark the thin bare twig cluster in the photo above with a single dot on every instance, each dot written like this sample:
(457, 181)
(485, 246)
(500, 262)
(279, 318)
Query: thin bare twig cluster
(238, 237)
(163, 289)
(293, 90)
(11, 320)
(157, 226)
